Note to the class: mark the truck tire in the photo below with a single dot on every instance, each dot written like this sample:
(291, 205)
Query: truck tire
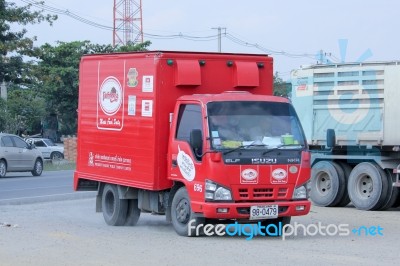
(392, 192)
(345, 200)
(3, 168)
(114, 208)
(181, 214)
(327, 184)
(367, 187)
(37, 168)
(133, 213)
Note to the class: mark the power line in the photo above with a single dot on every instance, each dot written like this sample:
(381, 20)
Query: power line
(218, 36)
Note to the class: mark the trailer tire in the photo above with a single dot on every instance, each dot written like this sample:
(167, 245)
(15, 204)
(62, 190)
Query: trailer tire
(182, 214)
(367, 187)
(133, 213)
(114, 208)
(327, 179)
(345, 200)
(397, 200)
(392, 192)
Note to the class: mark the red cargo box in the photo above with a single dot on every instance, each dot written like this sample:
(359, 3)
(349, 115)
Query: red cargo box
(127, 100)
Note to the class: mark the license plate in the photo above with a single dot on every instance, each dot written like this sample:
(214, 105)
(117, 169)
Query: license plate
(263, 212)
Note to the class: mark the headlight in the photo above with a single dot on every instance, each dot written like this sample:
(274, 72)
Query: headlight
(300, 193)
(216, 192)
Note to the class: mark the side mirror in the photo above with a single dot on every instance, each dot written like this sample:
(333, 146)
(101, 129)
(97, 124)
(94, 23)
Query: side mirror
(196, 141)
(330, 138)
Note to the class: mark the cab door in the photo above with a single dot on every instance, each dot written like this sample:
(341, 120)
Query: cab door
(186, 161)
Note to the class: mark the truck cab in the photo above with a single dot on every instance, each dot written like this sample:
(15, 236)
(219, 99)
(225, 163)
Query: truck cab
(232, 164)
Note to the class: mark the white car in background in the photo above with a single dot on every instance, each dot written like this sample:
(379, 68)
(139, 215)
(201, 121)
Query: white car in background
(49, 149)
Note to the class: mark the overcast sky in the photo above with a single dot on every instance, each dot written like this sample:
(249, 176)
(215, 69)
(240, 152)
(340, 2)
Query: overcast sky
(282, 28)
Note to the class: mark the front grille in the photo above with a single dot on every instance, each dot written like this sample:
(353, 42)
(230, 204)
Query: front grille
(261, 194)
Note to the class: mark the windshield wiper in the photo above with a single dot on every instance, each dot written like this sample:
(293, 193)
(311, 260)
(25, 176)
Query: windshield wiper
(282, 146)
(244, 147)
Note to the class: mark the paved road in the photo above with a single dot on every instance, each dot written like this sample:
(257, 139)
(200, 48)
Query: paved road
(37, 230)
(20, 188)
(72, 233)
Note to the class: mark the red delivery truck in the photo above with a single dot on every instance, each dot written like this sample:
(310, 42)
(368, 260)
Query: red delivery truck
(195, 136)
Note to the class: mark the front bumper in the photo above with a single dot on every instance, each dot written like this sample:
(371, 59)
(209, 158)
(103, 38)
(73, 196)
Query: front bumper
(242, 210)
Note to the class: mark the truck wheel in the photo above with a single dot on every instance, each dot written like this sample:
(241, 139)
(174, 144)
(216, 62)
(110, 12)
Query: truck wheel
(367, 188)
(276, 226)
(181, 214)
(37, 168)
(345, 200)
(133, 213)
(327, 179)
(114, 208)
(3, 168)
(392, 193)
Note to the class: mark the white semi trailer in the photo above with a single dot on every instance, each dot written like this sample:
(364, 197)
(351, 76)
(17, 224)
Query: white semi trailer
(351, 116)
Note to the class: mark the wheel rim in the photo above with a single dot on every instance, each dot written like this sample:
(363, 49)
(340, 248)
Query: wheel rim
(183, 211)
(364, 186)
(38, 167)
(2, 169)
(323, 183)
(57, 156)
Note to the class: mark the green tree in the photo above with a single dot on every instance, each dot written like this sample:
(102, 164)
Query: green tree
(14, 44)
(58, 72)
(3, 115)
(26, 110)
(281, 88)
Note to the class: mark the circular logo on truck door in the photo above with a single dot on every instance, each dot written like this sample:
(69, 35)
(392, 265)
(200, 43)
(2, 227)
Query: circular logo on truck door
(110, 96)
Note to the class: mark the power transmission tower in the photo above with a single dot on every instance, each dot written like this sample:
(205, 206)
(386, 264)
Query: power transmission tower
(128, 25)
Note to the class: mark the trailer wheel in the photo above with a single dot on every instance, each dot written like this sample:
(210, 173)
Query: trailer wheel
(327, 184)
(114, 208)
(397, 200)
(367, 187)
(181, 214)
(275, 225)
(345, 200)
(133, 214)
(392, 192)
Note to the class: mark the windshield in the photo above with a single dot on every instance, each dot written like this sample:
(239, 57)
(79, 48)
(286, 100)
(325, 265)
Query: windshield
(262, 125)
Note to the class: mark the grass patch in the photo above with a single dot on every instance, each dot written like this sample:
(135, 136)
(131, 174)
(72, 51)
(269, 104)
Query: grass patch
(59, 165)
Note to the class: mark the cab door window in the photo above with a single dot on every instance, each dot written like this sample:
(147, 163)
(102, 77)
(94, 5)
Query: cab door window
(189, 118)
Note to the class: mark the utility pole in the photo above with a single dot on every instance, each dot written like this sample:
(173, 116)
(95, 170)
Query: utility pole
(219, 37)
(3, 90)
